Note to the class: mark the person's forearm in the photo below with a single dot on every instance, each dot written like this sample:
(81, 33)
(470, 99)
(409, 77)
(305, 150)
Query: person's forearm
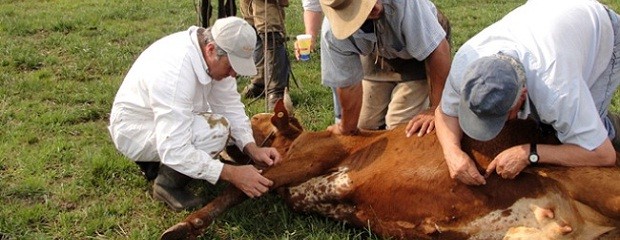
(573, 155)
(312, 23)
(351, 104)
(249, 149)
(437, 69)
(449, 132)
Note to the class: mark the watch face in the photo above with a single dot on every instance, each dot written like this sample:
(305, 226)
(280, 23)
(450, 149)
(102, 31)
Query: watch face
(533, 158)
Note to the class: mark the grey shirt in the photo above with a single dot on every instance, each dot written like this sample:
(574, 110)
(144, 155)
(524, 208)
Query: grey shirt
(406, 30)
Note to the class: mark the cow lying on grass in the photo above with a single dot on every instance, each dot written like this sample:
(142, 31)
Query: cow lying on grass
(400, 187)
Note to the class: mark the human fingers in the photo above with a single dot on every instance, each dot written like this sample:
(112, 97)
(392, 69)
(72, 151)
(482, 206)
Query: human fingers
(464, 176)
(297, 53)
(258, 185)
(267, 160)
(490, 169)
(265, 181)
(466, 179)
(334, 129)
(508, 174)
(431, 127)
(476, 177)
(261, 186)
(275, 156)
(423, 129)
(413, 127)
(479, 179)
(261, 189)
(251, 192)
(409, 129)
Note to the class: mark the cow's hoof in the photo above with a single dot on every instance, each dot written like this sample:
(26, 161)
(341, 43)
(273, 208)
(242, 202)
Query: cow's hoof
(179, 231)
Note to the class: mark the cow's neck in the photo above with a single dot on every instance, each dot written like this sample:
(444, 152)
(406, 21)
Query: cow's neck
(515, 132)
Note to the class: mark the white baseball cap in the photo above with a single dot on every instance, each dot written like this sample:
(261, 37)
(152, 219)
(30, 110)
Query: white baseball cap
(238, 39)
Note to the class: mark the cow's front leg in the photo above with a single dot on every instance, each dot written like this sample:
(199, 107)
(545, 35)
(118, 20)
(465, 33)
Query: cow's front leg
(301, 164)
(193, 225)
(310, 156)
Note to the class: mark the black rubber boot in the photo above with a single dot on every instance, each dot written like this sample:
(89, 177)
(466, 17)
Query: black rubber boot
(170, 188)
(149, 169)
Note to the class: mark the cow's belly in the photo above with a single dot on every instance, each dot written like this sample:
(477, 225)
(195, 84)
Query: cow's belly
(550, 216)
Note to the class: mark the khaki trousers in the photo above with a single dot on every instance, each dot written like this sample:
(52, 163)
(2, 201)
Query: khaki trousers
(391, 103)
(264, 17)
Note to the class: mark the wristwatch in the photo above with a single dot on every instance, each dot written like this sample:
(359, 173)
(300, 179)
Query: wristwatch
(533, 158)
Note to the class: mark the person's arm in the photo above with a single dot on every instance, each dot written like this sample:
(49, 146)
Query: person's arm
(313, 17)
(510, 162)
(312, 23)
(460, 165)
(351, 104)
(573, 155)
(437, 69)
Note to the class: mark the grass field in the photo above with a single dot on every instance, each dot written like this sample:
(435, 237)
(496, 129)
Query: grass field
(61, 63)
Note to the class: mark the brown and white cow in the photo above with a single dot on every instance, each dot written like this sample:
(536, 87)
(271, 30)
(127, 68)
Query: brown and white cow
(400, 187)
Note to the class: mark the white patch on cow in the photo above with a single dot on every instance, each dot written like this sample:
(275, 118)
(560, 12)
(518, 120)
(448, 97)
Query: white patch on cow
(322, 194)
(551, 216)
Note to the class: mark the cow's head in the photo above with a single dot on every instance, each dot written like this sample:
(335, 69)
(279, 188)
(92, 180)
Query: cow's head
(277, 129)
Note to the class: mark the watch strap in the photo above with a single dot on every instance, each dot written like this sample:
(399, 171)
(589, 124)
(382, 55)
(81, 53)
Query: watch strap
(533, 155)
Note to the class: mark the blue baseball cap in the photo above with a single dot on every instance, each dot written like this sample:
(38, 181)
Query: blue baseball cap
(491, 88)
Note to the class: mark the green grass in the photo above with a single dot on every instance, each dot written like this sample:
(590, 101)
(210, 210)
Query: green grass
(61, 63)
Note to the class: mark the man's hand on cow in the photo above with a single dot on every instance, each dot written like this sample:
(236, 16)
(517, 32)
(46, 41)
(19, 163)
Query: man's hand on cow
(463, 169)
(422, 123)
(510, 162)
(266, 157)
(263, 156)
(339, 129)
(247, 179)
(296, 50)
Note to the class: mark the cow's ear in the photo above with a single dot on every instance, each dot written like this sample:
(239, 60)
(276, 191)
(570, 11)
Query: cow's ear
(288, 103)
(280, 117)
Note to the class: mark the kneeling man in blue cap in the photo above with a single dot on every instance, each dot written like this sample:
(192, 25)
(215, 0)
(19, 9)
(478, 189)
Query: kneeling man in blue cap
(554, 61)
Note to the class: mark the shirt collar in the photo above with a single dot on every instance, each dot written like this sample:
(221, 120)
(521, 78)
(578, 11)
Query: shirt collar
(201, 64)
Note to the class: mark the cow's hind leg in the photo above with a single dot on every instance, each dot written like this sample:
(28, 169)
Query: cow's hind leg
(596, 187)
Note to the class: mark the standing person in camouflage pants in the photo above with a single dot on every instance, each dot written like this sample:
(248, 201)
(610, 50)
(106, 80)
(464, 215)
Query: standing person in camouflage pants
(267, 17)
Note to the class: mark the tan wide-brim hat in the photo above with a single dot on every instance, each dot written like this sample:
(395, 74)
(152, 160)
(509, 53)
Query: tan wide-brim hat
(346, 16)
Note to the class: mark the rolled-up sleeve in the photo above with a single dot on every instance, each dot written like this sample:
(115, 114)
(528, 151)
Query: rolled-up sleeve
(311, 5)
(340, 61)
